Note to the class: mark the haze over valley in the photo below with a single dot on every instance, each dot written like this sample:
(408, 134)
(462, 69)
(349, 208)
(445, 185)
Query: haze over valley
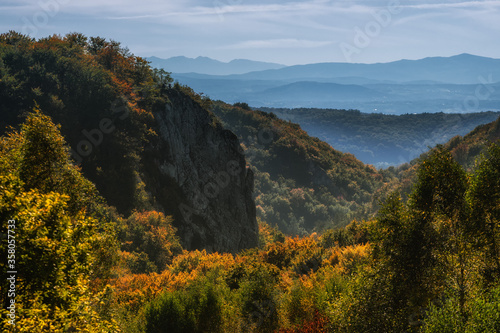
(458, 84)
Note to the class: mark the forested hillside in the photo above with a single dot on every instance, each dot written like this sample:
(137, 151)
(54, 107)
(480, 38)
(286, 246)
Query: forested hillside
(80, 82)
(429, 263)
(145, 143)
(466, 149)
(379, 139)
(302, 184)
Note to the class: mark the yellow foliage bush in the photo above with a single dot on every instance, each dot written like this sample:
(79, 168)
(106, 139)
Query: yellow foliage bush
(345, 260)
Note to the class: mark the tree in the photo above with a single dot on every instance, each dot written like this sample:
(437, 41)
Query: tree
(420, 246)
(484, 198)
(242, 105)
(440, 210)
(150, 238)
(59, 231)
(395, 285)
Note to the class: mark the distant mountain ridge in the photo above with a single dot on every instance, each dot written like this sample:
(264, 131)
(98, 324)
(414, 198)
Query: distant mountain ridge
(304, 91)
(205, 65)
(459, 84)
(460, 69)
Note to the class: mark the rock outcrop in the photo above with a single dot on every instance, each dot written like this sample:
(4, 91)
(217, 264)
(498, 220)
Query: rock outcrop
(202, 178)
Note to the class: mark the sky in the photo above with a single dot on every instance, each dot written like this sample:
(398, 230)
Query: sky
(280, 31)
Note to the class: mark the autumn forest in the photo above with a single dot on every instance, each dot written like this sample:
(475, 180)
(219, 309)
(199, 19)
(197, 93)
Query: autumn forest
(131, 203)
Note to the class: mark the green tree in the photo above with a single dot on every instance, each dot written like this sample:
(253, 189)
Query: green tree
(484, 198)
(439, 216)
(484, 315)
(258, 300)
(393, 285)
(420, 247)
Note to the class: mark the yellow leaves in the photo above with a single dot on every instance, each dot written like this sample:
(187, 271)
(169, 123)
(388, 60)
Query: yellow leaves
(151, 236)
(335, 257)
(286, 280)
(297, 294)
(56, 242)
(306, 281)
(35, 316)
(346, 259)
(200, 261)
(133, 291)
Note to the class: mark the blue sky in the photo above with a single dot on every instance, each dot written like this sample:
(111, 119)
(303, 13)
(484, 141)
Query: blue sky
(287, 32)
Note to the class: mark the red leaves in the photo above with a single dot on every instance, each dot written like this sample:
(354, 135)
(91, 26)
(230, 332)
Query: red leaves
(318, 325)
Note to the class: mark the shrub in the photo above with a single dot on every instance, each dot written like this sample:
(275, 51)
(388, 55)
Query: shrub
(196, 309)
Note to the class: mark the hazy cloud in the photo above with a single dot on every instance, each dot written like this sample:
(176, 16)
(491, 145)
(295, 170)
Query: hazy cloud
(275, 30)
(279, 43)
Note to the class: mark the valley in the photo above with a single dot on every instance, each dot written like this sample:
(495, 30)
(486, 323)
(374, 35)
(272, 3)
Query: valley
(143, 204)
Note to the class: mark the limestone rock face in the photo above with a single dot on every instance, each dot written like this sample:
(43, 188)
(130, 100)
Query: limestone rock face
(201, 176)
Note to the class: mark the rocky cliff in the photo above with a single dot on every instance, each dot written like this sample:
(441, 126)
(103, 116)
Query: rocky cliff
(202, 178)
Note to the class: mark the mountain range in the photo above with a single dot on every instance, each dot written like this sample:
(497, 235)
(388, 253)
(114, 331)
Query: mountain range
(462, 83)
(459, 69)
(205, 65)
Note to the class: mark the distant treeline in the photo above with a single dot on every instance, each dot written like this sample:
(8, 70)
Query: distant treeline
(380, 139)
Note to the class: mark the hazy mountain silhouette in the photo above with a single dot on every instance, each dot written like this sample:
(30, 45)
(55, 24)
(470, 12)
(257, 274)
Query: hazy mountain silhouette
(460, 69)
(205, 65)
(436, 84)
(305, 91)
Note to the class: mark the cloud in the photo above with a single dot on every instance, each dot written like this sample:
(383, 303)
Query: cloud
(404, 21)
(288, 31)
(459, 4)
(278, 43)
